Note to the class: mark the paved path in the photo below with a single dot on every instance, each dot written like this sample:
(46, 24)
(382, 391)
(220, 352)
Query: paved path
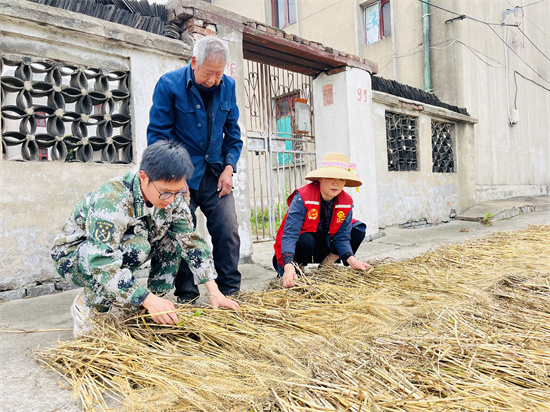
(25, 386)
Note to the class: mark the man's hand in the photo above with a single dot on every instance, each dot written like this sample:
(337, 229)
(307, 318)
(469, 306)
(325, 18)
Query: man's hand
(357, 264)
(156, 305)
(221, 301)
(225, 182)
(289, 276)
(217, 299)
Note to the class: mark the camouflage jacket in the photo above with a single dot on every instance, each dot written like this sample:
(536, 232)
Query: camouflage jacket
(116, 211)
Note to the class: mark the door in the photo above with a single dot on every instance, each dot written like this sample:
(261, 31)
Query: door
(281, 151)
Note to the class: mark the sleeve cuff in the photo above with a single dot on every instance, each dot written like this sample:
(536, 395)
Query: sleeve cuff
(139, 295)
(231, 161)
(346, 256)
(288, 258)
(205, 272)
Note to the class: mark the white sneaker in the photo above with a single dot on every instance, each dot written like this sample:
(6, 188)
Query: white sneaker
(82, 316)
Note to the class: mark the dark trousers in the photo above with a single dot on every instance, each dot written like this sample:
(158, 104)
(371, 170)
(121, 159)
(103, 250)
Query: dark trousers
(221, 221)
(314, 247)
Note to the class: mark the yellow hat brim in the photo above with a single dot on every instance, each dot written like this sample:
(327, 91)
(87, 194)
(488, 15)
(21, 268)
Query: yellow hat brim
(331, 172)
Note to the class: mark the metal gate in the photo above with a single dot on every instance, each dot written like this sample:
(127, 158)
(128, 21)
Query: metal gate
(281, 143)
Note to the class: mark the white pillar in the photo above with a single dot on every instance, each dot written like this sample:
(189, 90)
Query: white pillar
(343, 123)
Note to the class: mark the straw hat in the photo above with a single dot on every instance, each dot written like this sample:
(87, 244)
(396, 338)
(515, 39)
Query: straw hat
(336, 166)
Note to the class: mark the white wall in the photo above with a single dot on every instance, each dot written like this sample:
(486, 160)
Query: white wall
(259, 10)
(355, 124)
(412, 196)
(468, 69)
(37, 197)
(345, 126)
(513, 160)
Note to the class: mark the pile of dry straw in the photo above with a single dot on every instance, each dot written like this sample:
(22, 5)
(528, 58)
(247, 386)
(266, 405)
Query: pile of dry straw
(462, 328)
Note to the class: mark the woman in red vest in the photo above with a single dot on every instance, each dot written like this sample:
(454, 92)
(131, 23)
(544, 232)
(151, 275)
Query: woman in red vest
(318, 227)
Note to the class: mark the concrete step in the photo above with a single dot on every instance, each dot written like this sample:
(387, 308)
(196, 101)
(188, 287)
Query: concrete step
(505, 209)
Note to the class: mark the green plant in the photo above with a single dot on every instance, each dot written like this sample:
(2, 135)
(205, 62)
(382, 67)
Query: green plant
(259, 218)
(487, 220)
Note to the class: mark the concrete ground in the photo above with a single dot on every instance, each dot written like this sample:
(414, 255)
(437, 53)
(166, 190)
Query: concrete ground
(29, 325)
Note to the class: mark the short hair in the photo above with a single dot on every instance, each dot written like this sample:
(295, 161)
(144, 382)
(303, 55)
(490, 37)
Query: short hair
(210, 47)
(166, 160)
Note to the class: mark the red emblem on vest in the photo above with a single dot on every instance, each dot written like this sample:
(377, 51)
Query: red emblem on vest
(313, 214)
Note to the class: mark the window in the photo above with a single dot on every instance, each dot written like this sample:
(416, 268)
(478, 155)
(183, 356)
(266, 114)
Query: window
(377, 21)
(40, 117)
(442, 148)
(42, 155)
(401, 140)
(283, 12)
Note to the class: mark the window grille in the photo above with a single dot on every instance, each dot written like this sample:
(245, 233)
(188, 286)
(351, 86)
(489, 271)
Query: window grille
(442, 148)
(401, 139)
(77, 113)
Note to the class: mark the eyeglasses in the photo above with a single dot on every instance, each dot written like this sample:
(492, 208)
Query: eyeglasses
(168, 195)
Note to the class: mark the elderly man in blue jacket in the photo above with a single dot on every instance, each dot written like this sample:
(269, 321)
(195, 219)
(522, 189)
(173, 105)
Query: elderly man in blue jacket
(196, 105)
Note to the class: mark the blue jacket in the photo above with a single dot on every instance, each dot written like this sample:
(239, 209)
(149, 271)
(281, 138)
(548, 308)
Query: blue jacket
(178, 113)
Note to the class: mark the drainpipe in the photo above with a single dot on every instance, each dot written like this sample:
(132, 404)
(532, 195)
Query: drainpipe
(512, 114)
(394, 42)
(426, 31)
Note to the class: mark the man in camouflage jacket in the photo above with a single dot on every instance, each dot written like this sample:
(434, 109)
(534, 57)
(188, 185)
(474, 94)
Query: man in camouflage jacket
(128, 220)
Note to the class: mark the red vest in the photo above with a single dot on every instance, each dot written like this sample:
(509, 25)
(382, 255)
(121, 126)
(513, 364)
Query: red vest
(311, 196)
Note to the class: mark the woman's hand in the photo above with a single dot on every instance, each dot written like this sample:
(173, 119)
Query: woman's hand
(289, 276)
(357, 264)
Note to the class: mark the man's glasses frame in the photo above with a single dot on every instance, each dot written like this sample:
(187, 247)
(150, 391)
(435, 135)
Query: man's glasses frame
(168, 195)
